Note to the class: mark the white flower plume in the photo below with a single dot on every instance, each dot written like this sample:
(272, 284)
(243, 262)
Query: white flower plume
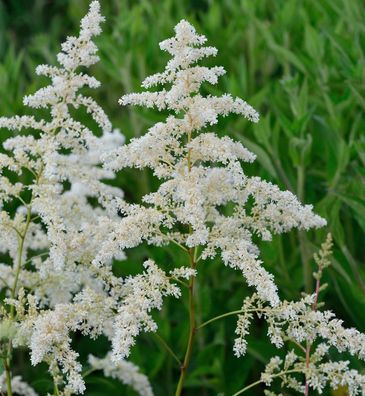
(56, 230)
(202, 172)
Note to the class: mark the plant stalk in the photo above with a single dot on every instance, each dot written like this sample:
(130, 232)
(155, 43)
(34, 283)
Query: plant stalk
(192, 328)
(8, 377)
(18, 267)
(168, 348)
(260, 381)
(308, 347)
(303, 244)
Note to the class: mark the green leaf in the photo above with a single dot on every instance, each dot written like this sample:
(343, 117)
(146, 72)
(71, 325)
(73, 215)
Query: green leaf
(262, 157)
(313, 43)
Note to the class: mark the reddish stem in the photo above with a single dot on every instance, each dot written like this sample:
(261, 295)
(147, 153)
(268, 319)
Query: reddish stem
(308, 348)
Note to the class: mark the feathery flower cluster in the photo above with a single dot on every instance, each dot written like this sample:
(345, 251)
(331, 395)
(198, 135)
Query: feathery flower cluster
(200, 173)
(19, 387)
(333, 374)
(124, 371)
(301, 323)
(143, 293)
(69, 225)
(52, 288)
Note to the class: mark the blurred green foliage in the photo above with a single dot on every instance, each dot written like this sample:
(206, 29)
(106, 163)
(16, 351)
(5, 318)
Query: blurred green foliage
(301, 63)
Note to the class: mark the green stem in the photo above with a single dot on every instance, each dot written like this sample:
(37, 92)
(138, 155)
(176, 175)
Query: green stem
(307, 273)
(300, 181)
(192, 321)
(260, 381)
(240, 311)
(175, 242)
(220, 317)
(88, 372)
(12, 295)
(166, 346)
(8, 377)
(36, 256)
(303, 245)
(55, 389)
(192, 329)
(309, 345)
(20, 255)
(280, 169)
(180, 281)
(284, 268)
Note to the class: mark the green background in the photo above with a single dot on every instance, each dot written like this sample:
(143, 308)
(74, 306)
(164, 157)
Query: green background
(301, 64)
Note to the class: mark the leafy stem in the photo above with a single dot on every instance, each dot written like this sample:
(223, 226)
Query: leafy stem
(237, 312)
(192, 327)
(168, 348)
(260, 381)
(309, 345)
(19, 263)
(220, 317)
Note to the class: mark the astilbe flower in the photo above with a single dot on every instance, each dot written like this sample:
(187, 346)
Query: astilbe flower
(315, 333)
(125, 371)
(18, 385)
(52, 289)
(62, 246)
(200, 173)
